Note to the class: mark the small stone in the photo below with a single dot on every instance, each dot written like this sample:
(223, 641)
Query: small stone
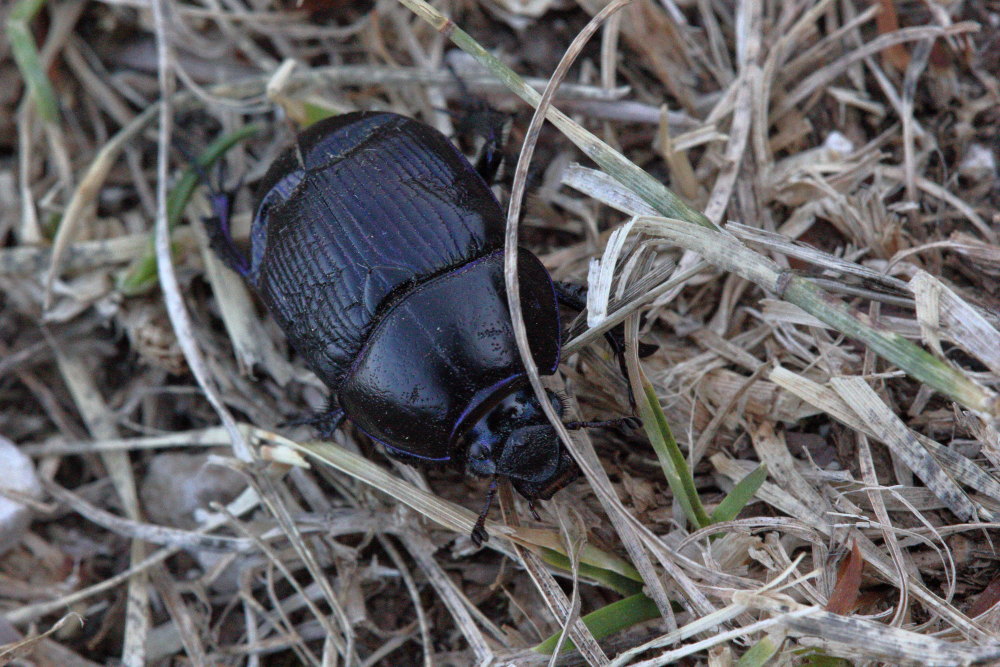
(979, 163)
(177, 484)
(18, 476)
(838, 144)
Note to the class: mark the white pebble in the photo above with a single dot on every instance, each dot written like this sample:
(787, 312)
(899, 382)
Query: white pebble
(979, 163)
(838, 144)
(19, 476)
(177, 484)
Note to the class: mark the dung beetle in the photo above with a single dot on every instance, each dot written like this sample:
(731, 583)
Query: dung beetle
(378, 248)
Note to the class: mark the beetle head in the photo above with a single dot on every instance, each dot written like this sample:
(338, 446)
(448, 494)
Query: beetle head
(515, 440)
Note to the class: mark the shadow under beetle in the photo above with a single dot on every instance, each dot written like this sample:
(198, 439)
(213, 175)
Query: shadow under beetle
(378, 249)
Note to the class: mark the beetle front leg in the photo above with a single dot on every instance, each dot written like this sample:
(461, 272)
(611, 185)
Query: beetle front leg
(325, 422)
(573, 295)
(479, 534)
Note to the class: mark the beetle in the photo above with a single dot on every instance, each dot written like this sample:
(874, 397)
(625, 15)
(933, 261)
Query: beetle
(378, 248)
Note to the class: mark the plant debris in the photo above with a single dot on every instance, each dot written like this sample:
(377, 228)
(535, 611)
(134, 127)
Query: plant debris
(823, 481)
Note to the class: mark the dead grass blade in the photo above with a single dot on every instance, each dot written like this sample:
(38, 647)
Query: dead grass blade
(824, 388)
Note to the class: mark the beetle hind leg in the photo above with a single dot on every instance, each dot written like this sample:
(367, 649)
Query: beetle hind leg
(217, 225)
(490, 127)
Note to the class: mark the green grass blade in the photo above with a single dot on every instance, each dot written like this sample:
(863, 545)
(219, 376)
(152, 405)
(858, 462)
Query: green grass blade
(316, 112)
(742, 493)
(613, 580)
(759, 654)
(608, 620)
(675, 467)
(25, 51)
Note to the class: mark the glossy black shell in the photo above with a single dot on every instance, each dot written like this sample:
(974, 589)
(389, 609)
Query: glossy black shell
(379, 250)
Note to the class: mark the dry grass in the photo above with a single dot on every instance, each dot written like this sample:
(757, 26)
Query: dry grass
(847, 150)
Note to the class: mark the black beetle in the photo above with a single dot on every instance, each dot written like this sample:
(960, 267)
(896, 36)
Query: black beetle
(378, 248)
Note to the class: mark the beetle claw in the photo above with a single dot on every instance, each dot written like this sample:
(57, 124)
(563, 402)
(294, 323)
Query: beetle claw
(479, 534)
(632, 423)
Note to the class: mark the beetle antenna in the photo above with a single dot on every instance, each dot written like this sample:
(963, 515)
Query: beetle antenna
(479, 534)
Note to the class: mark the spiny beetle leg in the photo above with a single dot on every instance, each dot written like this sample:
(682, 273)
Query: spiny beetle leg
(491, 128)
(217, 226)
(494, 127)
(574, 296)
(479, 534)
(620, 422)
(479, 119)
(571, 295)
(326, 422)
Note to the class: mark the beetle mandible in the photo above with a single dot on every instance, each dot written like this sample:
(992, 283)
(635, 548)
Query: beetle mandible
(378, 248)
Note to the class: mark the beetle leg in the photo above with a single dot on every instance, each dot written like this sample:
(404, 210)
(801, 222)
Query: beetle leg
(480, 120)
(490, 129)
(571, 295)
(326, 423)
(620, 422)
(220, 236)
(617, 344)
(479, 534)
(574, 296)
(491, 155)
